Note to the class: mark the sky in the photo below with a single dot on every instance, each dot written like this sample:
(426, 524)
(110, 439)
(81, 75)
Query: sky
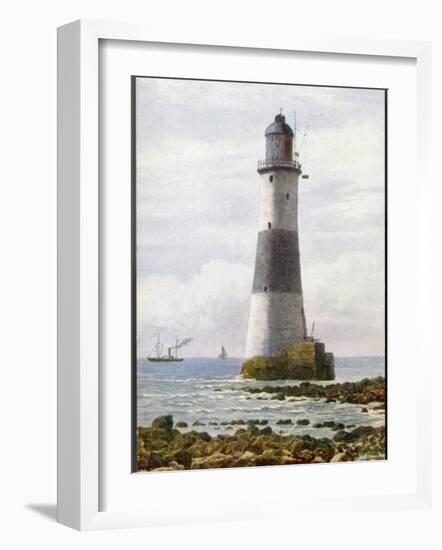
(197, 147)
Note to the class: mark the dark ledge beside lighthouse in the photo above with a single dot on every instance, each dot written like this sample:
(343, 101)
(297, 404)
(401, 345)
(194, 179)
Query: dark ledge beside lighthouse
(299, 361)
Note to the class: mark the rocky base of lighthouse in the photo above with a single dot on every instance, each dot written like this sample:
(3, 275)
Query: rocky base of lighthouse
(299, 361)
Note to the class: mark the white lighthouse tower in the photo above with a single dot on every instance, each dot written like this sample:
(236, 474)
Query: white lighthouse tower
(277, 305)
(277, 319)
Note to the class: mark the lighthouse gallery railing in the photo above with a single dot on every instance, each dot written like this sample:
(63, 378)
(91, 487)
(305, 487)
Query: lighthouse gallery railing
(269, 164)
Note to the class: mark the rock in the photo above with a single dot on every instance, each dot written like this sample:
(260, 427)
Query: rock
(328, 424)
(266, 431)
(363, 431)
(342, 435)
(252, 429)
(338, 426)
(363, 392)
(306, 455)
(264, 368)
(318, 425)
(181, 424)
(247, 457)
(284, 421)
(330, 400)
(217, 460)
(175, 466)
(164, 422)
(339, 457)
(198, 423)
(303, 422)
(298, 361)
(258, 422)
(297, 446)
(364, 410)
(268, 458)
(183, 458)
(318, 460)
(160, 449)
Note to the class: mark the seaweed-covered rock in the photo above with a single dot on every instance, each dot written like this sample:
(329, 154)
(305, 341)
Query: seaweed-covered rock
(338, 426)
(266, 431)
(299, 361)
(164, 422)
(181, 424)
(363, 392)
(216, 460)
(318, 459)
(339, 457)
(251, 428)
(265, 368)
(166, 449)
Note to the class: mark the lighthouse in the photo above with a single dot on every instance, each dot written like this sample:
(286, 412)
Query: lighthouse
(277, 342)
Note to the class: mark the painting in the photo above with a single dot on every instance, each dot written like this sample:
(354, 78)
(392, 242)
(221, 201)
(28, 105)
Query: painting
(258, 274)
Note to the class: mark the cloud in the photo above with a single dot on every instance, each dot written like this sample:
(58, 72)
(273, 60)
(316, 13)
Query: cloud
(198, 201)
(343, 297)
(211, 306)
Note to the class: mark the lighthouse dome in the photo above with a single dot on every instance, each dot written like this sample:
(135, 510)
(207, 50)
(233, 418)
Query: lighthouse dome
(279, 144)
(279, 126)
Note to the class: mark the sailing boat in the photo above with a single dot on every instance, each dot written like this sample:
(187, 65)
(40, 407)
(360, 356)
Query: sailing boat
(169, 358)
(223, 354)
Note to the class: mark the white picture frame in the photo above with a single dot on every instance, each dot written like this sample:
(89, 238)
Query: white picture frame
(79, 264)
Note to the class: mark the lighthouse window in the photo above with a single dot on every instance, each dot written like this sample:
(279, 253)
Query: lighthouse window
(270, 178)
(269, 225)
(287, 196)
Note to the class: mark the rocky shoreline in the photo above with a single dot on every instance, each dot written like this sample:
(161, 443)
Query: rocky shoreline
(362, 392)
(161, 447)
(167, 445)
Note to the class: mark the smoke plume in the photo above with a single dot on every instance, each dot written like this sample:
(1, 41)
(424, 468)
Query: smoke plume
(184, 342)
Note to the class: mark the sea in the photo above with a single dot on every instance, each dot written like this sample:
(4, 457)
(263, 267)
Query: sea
(208, 391)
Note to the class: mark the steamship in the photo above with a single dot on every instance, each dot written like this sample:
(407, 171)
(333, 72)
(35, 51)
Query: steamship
(171, 357)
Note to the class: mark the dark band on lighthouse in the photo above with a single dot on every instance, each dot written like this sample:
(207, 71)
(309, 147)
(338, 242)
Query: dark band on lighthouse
(277, 262)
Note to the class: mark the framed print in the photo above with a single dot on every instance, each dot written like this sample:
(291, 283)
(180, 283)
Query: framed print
(233, 229)
(218, 258)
